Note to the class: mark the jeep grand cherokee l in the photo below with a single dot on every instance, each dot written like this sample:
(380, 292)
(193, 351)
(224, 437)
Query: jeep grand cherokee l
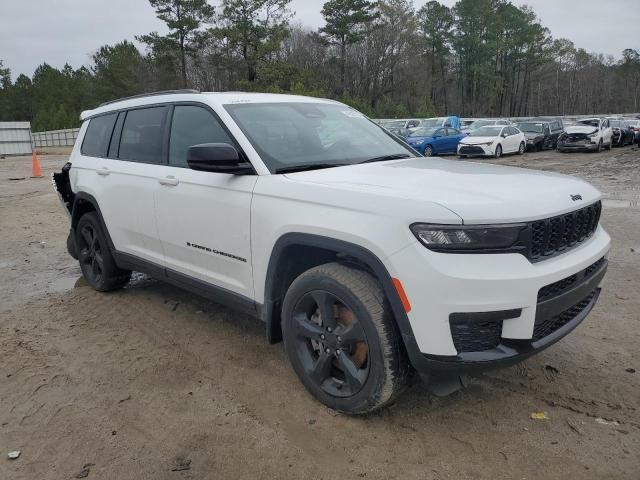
(364, 257)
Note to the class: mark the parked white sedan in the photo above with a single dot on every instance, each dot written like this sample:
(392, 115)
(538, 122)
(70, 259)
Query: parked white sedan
(493, 141)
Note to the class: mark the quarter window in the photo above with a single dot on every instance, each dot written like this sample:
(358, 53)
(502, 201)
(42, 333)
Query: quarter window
(142, 135)
(96, 140)
(190, 126)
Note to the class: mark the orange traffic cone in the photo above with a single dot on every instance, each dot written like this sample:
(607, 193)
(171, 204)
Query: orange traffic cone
(35, 166)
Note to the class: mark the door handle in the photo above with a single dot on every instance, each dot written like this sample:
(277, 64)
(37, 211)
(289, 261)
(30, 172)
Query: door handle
(104, 171)
(169, 181)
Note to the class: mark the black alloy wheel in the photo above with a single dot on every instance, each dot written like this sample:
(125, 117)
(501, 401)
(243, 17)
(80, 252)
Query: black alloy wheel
(90, 254)
(331, 343)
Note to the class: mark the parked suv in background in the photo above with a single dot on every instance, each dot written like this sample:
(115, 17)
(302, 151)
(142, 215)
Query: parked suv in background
(541, 134)
(364, 257)
(587, 134)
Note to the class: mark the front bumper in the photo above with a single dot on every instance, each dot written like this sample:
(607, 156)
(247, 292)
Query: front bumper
(578, 146)
(483, 287)
(476, 150)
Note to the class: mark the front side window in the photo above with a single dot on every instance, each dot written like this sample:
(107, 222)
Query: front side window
(96, 140)
(288, 135)
(143, 134)
(192, 125)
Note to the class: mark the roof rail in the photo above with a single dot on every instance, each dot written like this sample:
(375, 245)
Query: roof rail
(150, 94)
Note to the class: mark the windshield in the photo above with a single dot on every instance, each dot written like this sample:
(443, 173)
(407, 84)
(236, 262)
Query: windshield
(396, 124)
(593, 122)
(432, 122)
(306, 134)
(482, 123)
(531, 127)
(424, 132)
(486, 131)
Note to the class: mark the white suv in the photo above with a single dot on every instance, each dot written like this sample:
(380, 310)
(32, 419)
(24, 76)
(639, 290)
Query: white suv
(366, 258)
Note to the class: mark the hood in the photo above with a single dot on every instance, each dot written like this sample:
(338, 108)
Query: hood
(532, 135)
(478, 193)
(471, 140)
(586, 129)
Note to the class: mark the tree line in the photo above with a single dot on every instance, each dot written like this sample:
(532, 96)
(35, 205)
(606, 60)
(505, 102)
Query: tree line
(385, 58)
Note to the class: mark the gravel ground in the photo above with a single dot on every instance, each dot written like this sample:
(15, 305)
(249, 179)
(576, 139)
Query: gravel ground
(153, 382)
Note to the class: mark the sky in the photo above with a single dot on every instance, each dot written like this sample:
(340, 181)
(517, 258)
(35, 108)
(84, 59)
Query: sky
(69, 31)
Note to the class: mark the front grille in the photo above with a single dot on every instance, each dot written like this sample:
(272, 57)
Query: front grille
(558, 288)
(476, 336)
(555, 235)
(471, 150)
(547, 326)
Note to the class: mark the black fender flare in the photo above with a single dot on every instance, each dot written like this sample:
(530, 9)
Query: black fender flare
(358, 252)
(76, 213)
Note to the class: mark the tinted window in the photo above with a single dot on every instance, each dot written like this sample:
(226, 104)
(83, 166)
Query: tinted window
(440, 132)
(192, 126)
(142, 135)
(453, 132)
(96, 140)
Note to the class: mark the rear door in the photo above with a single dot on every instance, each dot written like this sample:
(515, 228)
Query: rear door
(125, 178)
(204, 217)
(512, 142)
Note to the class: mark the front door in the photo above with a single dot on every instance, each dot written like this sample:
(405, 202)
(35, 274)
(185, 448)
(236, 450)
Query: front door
(204, 217)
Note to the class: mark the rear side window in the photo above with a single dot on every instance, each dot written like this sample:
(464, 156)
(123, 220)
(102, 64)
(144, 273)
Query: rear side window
(143, 134)
(192, 125)
(96, 140)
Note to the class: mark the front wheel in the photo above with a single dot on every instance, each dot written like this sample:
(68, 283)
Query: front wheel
(522, 148)
(342, 340)
(498, 152)
(428, 151)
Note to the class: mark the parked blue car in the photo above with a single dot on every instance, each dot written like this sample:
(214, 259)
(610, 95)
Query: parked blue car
(435, 141)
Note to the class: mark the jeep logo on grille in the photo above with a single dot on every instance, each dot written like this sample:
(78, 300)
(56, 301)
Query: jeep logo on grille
(575, 198)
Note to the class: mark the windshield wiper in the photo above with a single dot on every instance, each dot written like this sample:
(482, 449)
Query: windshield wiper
(308, 166)
(384, 158)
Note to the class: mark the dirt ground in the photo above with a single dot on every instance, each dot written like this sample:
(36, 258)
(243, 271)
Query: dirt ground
(153, 382)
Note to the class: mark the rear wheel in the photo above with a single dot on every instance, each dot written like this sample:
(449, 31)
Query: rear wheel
(342, 340)
(96, 261)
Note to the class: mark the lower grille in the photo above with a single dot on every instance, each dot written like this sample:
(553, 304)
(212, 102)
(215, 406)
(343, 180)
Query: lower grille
(476, 336)
(547, 326)
(471, 150)
(558, 288)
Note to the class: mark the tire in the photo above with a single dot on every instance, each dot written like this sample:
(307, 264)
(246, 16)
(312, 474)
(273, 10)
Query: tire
(428, 151)
(599, 149)
(95, 257)
(522, 148)
(356, 376)
(608, 147)
(498, 152)
(462, 156)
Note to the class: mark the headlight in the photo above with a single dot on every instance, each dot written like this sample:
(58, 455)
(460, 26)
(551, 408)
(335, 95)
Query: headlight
(467, 237)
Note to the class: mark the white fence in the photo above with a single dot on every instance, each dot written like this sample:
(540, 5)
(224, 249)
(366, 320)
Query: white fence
(56, 138)
(15, 138)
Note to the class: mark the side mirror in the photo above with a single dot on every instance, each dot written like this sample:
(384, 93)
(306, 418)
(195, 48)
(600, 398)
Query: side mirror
(503, 135)
(217, 157)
